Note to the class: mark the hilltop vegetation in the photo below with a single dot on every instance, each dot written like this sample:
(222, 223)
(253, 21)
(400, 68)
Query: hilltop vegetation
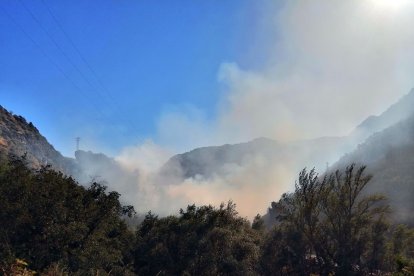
(54, 226)
(338, 224)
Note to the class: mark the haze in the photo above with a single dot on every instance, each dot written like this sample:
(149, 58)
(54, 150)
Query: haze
(285, 70)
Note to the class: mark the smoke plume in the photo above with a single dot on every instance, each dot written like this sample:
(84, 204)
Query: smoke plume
(330, 64)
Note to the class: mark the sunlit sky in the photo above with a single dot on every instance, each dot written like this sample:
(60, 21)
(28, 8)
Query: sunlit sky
(146, 59)
(150, 57)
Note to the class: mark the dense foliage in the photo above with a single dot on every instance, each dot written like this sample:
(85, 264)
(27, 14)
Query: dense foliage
(47, 219)
(200, 241)
(52, 225)
(331, 226)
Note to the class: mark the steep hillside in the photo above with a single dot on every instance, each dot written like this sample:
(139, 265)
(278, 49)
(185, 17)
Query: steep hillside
(389, 155)
(99, 167)
(395, 113)
(18, 138)
(210, 161)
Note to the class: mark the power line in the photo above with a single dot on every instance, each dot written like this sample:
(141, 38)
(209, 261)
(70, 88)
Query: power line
(67, 57)
(77, 143)
(72, 43)
(88, 65)
(84, 77)
(56, 44)
(44, 53)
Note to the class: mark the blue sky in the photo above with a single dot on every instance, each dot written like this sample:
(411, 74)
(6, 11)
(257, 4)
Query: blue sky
(150, 56)
(179, 74)
(184, 74)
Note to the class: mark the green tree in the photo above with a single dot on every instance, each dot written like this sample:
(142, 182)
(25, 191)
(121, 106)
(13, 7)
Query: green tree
(329, 224)
(47, 218)
(200, 241)
(401, 252)
(350, 215)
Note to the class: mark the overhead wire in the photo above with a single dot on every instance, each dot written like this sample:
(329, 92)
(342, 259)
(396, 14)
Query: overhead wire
(83, 58)
(48, 57)
(72, 43)
(69, 60)
(57, 44)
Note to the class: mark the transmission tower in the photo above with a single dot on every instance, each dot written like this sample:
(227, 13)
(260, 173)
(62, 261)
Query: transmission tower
(77, 143)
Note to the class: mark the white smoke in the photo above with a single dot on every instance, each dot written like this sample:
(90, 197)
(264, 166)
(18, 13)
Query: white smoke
(333, 64)
(330, 64)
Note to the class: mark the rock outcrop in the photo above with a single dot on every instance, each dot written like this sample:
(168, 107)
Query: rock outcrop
(21, 138)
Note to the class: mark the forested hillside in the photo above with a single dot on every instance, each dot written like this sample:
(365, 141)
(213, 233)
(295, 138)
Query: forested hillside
(207, 138)
(343, 222)
(51, 222)
(53, 226)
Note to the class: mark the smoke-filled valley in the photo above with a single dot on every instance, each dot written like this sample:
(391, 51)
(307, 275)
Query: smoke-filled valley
(233, 138)
(254, 173)
(68, 214)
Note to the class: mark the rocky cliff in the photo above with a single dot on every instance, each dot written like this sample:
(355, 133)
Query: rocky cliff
(21, 138)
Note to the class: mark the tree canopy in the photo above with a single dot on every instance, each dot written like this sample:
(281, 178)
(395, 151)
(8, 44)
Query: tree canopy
(48, 218)
(328, 225)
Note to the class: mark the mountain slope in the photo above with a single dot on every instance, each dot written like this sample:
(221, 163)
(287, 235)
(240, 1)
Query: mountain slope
(389, 155)
(209, 161)
(397, 112)
(19, 138)
(213, 161)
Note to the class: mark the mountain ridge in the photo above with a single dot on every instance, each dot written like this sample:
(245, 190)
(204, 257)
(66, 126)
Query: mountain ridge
(21, 138)
(396, 112)
(188, 164)
(389, 156)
